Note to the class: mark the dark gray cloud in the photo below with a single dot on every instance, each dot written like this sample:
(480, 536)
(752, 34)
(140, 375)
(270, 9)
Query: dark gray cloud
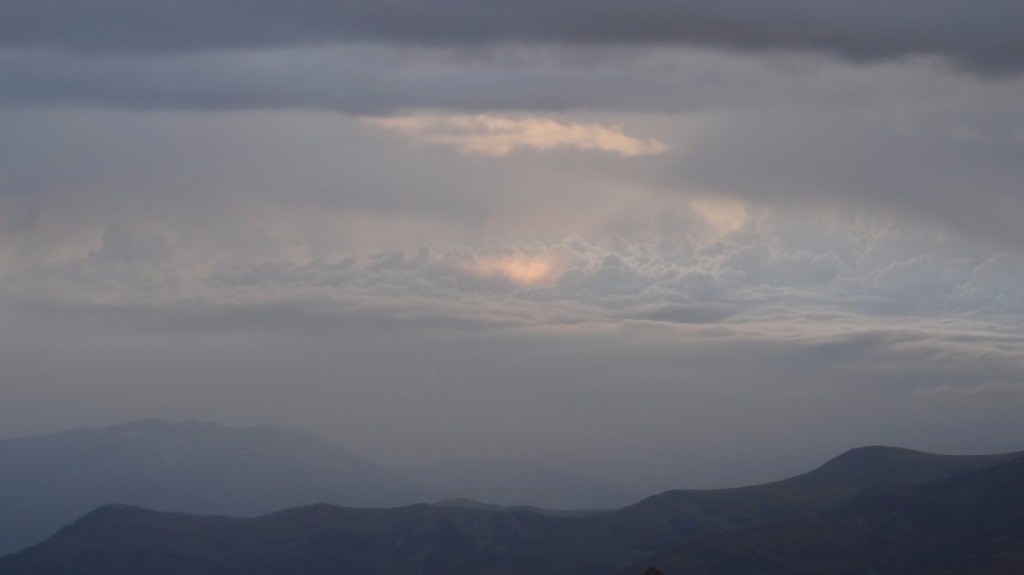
(910, 139)
(983, 35)
(380, 79)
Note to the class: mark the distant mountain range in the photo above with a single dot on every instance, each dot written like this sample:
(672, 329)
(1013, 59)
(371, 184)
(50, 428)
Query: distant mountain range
(870, 510)
(47, 481)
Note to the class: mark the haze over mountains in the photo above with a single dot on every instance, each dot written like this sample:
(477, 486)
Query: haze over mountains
(522, 482)
(914, 504)
(47, 481)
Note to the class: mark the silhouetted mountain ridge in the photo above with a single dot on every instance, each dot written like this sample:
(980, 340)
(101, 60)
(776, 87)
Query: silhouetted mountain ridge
(473, 504)
(199, 467)
(436, 540)
(686, 513)
(971, 524)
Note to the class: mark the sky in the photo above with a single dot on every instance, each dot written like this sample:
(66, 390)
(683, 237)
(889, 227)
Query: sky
(687, 243)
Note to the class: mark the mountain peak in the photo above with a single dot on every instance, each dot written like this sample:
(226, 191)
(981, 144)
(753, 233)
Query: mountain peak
(876, 450)
(875, 453)
(110, 510)
(862, 467)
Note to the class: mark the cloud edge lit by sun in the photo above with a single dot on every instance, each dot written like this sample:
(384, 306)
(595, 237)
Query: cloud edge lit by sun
(499, 136)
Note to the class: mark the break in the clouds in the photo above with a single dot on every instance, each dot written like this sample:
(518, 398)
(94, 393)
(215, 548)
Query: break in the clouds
(672, 243)
(982, 35)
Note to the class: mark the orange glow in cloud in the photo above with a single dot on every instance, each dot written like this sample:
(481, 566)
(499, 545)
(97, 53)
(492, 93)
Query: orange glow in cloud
(499, 136)
(523, 270)
(725, 214)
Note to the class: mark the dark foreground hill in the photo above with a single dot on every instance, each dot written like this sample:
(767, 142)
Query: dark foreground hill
(967, 525)
(683, 514)
(433, 540)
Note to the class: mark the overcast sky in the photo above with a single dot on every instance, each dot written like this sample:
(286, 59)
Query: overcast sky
(682, 243)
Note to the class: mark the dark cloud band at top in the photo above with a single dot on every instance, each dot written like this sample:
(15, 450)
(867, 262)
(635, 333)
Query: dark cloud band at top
(982, 35)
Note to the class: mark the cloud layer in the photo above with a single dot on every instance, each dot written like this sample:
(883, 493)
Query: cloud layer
(684, 243)
(981, 35)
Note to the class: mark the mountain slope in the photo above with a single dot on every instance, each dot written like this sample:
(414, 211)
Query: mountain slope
(46, 481)
(970, 524)
(429, 540)
(682, 514)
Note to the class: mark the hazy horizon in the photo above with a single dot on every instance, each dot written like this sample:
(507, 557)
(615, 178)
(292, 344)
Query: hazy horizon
(630, 487)
(683, 244)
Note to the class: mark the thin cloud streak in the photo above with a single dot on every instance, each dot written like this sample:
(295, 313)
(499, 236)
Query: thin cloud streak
(498, 136)
(990, 394)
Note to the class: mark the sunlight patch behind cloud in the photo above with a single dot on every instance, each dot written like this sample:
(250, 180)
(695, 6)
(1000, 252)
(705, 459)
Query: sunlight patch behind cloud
(520, 269)
(498, 136)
